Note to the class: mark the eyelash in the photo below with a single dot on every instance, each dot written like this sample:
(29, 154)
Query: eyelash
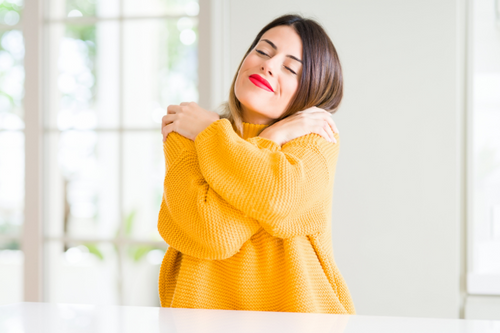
(258, 51)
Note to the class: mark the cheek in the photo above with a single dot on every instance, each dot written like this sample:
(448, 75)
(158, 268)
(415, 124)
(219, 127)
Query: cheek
(242, 72)
(250, 61)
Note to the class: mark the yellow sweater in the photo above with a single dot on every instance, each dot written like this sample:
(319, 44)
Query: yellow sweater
(248, 223)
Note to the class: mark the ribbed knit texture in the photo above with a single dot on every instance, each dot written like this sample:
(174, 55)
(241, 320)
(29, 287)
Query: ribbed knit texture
(248, 223)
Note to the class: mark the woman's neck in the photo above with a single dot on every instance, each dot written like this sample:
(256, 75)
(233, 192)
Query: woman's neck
(252, 117)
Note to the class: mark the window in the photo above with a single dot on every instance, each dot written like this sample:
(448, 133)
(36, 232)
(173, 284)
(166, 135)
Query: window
(484, 160)
(110, 68)
(11, 150)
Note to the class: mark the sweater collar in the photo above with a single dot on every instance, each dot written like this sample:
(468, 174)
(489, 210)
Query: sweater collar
(251, 130)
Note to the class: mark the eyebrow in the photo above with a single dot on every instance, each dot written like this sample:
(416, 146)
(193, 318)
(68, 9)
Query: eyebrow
(275, 47)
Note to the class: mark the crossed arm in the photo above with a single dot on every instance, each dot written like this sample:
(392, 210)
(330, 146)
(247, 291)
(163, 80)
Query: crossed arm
(221, 189)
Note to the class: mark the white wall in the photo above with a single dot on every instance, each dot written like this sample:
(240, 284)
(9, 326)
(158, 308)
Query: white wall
(397, 221)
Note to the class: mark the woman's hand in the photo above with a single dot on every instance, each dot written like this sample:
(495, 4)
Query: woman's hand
(312, 120)
(187, 119)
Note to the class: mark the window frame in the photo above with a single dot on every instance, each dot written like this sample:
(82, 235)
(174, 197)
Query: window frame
(477, 284)
(214, 82)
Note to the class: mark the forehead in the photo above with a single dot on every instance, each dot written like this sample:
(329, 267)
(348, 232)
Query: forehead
(285, 38)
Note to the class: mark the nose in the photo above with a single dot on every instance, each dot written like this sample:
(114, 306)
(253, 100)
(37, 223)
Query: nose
(267, 67)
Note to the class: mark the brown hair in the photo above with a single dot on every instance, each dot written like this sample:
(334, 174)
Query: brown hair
(321, 81)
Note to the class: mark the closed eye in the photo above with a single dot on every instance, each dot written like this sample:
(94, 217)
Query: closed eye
(259, 51)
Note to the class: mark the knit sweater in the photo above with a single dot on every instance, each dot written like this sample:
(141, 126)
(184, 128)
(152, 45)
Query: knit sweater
(248, 223)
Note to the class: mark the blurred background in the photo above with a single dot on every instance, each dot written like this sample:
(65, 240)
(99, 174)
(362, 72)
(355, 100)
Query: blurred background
(83, 87)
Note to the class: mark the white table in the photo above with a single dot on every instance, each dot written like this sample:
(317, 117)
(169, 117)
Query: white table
(28, 317)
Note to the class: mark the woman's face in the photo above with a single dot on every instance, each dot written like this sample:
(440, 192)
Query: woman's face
(277, 58)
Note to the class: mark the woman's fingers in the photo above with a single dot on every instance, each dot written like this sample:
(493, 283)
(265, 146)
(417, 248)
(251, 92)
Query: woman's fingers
(326, 127)
(330, 131)
(322, 128)
(164, 121)
(321, 131)
(326, 131)
(315, 111)
(166, 130)
(173, 108)
(332, 125)
(331, 122)
(322, 114)
(167, 119)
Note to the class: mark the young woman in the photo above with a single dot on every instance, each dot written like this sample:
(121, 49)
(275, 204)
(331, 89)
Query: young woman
(246, 209)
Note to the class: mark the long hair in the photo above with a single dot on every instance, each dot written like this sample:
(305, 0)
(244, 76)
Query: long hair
(321, 82)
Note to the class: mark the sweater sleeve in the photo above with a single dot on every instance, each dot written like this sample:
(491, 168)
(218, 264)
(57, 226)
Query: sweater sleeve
(193, 218)
(283, 188)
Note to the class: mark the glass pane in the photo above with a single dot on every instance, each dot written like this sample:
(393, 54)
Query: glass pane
(160, 68)
(160, 7)
(11, 77)
(84, 76)
(12, 272)
(11, 182)
(82, 184)
(141, 269)
(59, 9)
(10, 11)
(486, 138)
(143, 173)
(81, 273)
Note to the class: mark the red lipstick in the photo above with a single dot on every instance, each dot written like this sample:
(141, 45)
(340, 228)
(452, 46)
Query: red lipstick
(260, 82)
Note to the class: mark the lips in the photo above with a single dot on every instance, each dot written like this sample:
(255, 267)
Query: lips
(260, 82)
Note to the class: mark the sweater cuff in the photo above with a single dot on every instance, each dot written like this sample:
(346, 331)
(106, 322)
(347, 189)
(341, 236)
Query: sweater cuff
(176, 143)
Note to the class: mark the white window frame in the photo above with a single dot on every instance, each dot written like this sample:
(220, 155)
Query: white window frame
(477, 284)
(31, 238)
(214, 82)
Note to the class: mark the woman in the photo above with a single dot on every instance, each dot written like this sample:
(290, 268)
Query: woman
(247, 197)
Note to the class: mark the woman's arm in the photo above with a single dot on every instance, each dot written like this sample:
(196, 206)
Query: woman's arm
(193, 218)
(277, 186)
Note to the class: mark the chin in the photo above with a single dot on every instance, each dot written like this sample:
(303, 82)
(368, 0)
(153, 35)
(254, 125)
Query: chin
(255, 103)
